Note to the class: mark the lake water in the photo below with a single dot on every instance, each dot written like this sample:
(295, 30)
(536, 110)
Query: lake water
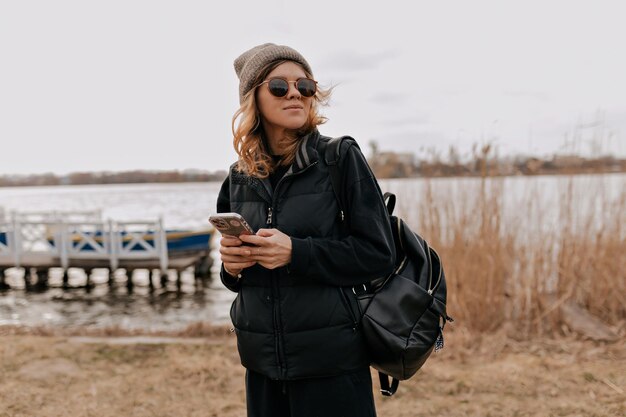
(189, 205)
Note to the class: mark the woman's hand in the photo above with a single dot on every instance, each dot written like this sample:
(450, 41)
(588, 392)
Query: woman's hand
(272, 248)
(234, 256)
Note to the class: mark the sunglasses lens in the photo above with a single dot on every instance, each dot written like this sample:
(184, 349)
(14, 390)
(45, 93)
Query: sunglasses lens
(278, 87)
(306, 87)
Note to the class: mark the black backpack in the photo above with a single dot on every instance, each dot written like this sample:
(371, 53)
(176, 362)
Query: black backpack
(403, 314)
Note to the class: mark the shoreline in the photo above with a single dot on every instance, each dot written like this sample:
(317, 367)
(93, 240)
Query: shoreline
(413, 177)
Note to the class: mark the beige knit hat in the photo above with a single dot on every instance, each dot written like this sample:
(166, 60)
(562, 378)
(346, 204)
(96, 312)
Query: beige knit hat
(248, 64)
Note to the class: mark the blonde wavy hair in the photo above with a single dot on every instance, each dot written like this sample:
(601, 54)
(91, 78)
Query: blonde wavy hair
(249, 138)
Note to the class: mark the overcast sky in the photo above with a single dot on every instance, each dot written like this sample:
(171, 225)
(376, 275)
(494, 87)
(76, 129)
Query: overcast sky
(116, 85)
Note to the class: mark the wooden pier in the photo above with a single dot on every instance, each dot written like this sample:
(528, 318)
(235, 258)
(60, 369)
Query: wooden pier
(39, 241)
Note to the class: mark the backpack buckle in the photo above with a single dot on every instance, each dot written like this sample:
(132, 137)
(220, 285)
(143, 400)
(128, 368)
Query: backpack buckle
(355, 291)
(386, 392)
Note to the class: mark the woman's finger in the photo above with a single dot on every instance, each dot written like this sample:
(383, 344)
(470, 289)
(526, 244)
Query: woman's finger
(230, 241)
(267, 232)
(259, 251)
(235, 257)
(237, 266)
(230, 258)
(262, 254)
(236, 250)
(254, 240)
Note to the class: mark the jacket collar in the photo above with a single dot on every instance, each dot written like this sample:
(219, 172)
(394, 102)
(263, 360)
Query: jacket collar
(306, 154)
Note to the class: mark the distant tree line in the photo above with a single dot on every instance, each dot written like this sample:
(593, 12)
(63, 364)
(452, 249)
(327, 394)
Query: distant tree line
(123, 177)
(484, 161)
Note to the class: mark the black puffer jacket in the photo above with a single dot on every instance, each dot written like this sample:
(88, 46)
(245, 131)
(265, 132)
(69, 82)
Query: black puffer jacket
(300, 321)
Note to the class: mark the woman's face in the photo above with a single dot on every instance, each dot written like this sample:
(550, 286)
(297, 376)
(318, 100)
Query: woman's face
(287, 112)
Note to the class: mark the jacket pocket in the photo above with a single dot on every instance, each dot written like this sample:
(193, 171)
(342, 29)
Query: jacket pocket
(348, 306)
(233, 309)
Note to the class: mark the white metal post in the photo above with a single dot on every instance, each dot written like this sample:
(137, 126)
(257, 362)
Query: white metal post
(162, 248)
(113, 241)
(17, 244)
(64, 244)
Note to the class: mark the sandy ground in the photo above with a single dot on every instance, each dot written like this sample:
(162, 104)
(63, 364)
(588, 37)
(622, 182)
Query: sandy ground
(186, 377)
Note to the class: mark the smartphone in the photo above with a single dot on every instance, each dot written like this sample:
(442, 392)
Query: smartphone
(231, 224)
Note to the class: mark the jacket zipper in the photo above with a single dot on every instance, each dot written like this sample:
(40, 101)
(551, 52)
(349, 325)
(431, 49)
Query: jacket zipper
(269, 216)
(271, 219)
(270, 210)
(277, 327)
(276, 309)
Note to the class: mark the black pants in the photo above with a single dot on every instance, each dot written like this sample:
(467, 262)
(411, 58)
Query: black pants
(347, 395)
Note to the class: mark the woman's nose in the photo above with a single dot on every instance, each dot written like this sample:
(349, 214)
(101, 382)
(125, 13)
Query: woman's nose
(293, 91)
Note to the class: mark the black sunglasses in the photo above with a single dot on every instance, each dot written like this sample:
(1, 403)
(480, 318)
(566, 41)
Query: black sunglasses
(279, 87)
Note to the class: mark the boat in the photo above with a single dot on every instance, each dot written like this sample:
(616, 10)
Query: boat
(179, 242)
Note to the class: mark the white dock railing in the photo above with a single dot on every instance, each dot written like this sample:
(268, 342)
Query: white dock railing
(33, 238)
(47, 235)
(87, 240)
(138, 240)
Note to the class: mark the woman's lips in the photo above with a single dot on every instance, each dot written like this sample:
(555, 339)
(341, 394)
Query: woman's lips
(293, 108)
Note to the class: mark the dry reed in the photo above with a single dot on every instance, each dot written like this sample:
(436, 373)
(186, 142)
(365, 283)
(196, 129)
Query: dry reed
(517, 263)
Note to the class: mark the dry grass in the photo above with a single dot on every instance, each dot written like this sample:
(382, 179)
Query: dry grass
(517, 265)
(482, 375)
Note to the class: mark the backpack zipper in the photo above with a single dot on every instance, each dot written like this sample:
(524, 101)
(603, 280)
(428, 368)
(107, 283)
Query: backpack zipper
(430, 267)
(431, 290)
(401, 266)
(427, 250)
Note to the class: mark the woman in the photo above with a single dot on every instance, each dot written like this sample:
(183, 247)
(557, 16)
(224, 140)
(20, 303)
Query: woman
(295, 315)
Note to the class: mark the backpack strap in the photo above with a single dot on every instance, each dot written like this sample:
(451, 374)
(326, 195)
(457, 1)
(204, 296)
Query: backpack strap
(391, 204)
(332, 155)
(386, 389)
